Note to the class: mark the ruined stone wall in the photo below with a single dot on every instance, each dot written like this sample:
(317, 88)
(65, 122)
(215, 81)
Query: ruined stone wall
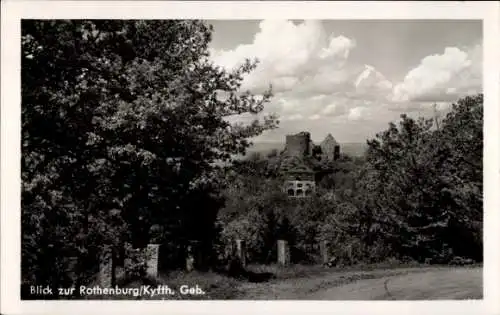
(330, 149)
(302, 188)
(298, 145)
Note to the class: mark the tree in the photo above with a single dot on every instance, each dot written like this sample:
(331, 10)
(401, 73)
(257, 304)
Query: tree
(462, 160)
(123, 123)
(425, 184)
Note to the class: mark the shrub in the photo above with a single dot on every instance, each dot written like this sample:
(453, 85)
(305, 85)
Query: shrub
(135, 264)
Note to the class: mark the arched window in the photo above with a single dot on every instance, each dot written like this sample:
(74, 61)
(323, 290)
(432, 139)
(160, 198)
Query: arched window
(300, 193)
(291, 192)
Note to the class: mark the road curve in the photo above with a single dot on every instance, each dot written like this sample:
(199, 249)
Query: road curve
(440, 284)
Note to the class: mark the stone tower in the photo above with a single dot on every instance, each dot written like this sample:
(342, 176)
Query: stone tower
(330, 148)
(298, 145)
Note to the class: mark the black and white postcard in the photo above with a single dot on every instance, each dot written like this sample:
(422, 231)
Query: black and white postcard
(182, 155)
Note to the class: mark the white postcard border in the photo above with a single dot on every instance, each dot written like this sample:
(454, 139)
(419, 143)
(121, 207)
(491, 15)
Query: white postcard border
(14, 11)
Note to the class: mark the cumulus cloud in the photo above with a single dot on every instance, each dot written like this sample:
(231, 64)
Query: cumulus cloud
(330, 109)
(337, 107)
(310, 70)
(292, 117)
(318, 86)
(291, 55)
(443, 77)
(371, 81)
(356, 113)
(314, 108)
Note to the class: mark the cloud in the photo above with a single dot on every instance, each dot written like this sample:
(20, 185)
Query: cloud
(357, 113)
(291, 55)
(310, 70)
(330, 109)
(318, 86)
(335, 109)
(372, 82)
(443, 77)
(314, 107)
(292, 117)
(436, 106)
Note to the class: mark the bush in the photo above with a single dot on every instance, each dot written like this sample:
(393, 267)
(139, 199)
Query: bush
(135, 263)
(250, 228)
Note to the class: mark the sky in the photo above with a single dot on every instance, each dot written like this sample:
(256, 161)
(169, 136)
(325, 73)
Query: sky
(351, 78)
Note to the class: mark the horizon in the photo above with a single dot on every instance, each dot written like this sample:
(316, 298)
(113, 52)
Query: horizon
(348, 148)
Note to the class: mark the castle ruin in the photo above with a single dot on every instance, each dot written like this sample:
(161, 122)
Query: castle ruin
(303, 161)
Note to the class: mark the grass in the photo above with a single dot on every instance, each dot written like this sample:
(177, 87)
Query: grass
(215, 285)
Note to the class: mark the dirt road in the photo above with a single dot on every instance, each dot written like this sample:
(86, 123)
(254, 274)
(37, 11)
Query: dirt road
(435, 284)
(406, 284)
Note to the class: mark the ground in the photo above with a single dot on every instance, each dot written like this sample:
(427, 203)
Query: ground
(449, 284)
(384, 284)
(318, 283)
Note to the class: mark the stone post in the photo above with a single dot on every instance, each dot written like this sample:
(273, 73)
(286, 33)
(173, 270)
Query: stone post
(72, 267)
(283, 253)
(325, 254)
(152, 254)
(241, 252)
(129, 256)
(189, 263)
(107, 269)
(349, 254)
(192, 256)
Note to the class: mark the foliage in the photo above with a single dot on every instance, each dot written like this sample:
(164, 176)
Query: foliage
(425, 183)
(415, 196)
(122, 125)
(135, 262)
(254, 211)
(342, 173)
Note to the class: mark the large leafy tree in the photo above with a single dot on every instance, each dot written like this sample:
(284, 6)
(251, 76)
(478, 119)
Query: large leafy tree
(461, 162)
(423, 183)
(123, 125)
